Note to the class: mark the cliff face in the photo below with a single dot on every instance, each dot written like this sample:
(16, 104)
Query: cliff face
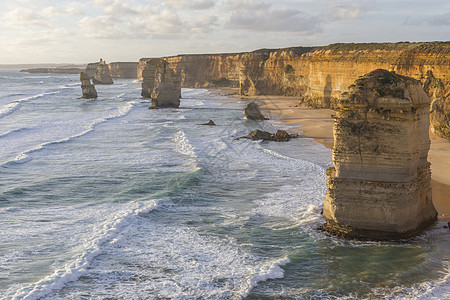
(379, 187)
(123, 69)
(102, 74)
(319, 75)
(116, 69)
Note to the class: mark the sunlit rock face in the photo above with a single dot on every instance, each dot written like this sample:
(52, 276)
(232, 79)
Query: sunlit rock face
(87, 88)
(161, 84)
(102, 74)
(379, 187)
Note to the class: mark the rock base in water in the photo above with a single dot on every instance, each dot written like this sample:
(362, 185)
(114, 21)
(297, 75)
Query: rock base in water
(252, 112)
(87, 88)
(379, 187)
(279, 136)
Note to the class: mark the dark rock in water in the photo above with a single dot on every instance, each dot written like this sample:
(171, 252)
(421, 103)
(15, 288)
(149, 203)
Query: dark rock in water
(102, 74)
(281, 136)
(252, 112)
(259, 135)
(210, 123)
(448, 224)
(87, 88)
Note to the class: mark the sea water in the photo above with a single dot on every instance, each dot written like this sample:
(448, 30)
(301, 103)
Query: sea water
(106, 199)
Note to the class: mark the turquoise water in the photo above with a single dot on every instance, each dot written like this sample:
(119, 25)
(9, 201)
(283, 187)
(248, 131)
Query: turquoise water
(106, 199)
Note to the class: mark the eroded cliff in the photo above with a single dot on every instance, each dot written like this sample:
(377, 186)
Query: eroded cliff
(319, 75)
(379, 187)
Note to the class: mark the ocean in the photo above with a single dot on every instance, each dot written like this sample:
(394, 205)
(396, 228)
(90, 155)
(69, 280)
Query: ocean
(106, 199)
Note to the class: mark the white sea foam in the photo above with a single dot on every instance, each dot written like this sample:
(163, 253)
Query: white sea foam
(24, 157)
(15, 105)
(104, 232)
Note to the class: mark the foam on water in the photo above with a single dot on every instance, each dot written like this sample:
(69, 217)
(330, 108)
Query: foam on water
(24, 157)
(103, 232)
(15, 105)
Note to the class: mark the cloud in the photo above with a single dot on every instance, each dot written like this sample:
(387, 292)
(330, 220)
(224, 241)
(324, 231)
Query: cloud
(117, 7)
(283, 20)
(440, 20)
(101, 27)
(189, 4)
(249, 5)
(25, 17)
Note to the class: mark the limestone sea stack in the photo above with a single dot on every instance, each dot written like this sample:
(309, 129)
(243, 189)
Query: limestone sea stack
(102, 74)
(252, 112)
(87, 88)
(161, 84)
(379, 187)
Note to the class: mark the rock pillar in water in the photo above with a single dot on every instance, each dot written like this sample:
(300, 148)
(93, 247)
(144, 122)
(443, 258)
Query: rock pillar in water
(87, 88)
(102, 74)
(379, 187)
(161, 84)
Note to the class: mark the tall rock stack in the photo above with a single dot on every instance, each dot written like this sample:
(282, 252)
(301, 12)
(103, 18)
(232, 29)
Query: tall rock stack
(102, 74)
(87, 88)
(161, 84)
(379, 187)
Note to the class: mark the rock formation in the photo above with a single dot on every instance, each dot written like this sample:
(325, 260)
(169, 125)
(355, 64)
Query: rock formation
(317, 75)
(161, 84)
(379, 187)
(123, 69)
(87, 88)
(252, 112)
(102, 74)
(279, 136)
(209, 123)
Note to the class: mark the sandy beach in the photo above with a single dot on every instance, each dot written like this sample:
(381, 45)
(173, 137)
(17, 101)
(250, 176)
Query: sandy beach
(318, 124)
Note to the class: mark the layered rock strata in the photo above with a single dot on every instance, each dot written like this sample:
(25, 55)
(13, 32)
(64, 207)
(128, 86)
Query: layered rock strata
(87, 88)
(116, 69)
(161, 84)
(102, 74)
(319, 75)
(379, 187)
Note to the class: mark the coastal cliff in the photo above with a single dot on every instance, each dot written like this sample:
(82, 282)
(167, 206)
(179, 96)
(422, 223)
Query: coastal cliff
(319, 75)
(116, 69)
(379, 187)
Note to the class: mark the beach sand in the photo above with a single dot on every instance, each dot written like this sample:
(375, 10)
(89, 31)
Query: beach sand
(318, 124)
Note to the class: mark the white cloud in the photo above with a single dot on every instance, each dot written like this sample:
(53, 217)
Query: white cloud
(250, 5)
(284, 20)
(117, 7)
(25, 17)
(189, 4)
(101, 27)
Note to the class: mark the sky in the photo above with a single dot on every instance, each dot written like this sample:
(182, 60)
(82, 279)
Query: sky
(78, 31)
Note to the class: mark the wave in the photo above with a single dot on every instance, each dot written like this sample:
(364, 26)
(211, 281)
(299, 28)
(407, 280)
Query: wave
(24, 157)
(105, 232)
(15, 105)
(13, 131)
(264, 272)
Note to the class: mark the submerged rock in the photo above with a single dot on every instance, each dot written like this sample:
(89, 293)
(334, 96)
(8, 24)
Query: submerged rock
(379, 187)
(259, 135)
(279, 136)
(102, 74)
(87, 88)
(210, 123)
(252, 112)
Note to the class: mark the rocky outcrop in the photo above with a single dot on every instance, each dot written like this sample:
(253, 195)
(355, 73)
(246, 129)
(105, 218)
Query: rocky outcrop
(209, 123)
(317, 75)
(252, 112)
(53, 70)
(279, 136)
(87, 88)
(102, 74)
(161, 84)
(379, 187)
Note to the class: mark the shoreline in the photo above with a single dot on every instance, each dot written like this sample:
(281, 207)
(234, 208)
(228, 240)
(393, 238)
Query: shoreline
(317, 123)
